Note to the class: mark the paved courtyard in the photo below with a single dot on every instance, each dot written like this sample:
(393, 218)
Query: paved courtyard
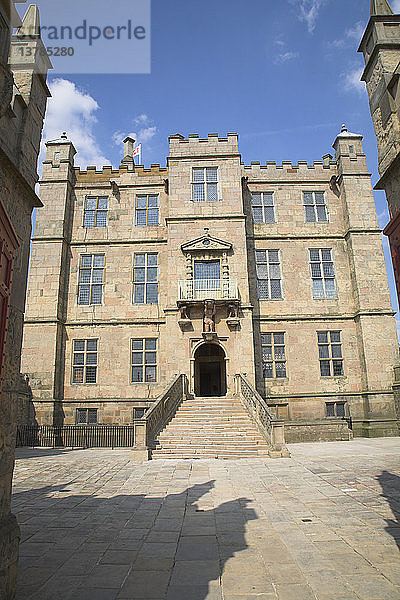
(321, 525)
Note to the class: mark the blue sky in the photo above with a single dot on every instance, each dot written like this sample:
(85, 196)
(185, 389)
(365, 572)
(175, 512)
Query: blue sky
(284, 74)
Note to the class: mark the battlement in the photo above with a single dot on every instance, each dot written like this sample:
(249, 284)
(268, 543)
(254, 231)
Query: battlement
(92, 174)
(193, 145)
(320, 169)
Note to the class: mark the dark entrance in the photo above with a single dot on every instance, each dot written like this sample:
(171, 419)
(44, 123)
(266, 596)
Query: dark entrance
(210, 371)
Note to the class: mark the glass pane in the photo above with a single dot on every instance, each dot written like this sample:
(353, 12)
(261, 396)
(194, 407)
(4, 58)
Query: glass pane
(79, 359)
(276, 289)
(97, 276)
(152, 218)
(330, 409)
(212, 174)
(268, 199)
(84, 275)
(267, 353)
(310, 214)
(86, 260)
(266, 338)
(81, 415)
(96, 294)
(198, 192)
(322, 214)
(279, 338)
(84, 294)
(268, 371)
(198, 175)
(280, 369)
(337, 351)
(256, 200)
(152, 259)
(137, 374)
(314, 255)
(91, 358)
(151, 344)
(101, 219)
(328, 269)
(152, 293)
(319, 198)
(261, 256)
(323, 351)
(141, 217)
(274, 271)
(212, 192)
(102, 204)
(325, 368)
(330, 288)
(338, 368)
(152, 274)
(79, 345)
(137, 358)
(150, 358)
(208, 269)
(258, 215)
(262, 271)
(91, 345)
(316, 270)
(322, 337)
(151, 373)
(89, 218)
(139, 275)
(140, 260)
(77, 376)
(153, 201)
(335, 336)
(98, 260)
(326, 254)
(273, 256)
(91, 374)
(92, 416)
(269, 214)
(318, 289)
(263, 293)
(137, 344)
(139, 294)
(141, 202)
(279, 352)
(91, 203)
(308, 198)
(340, 409)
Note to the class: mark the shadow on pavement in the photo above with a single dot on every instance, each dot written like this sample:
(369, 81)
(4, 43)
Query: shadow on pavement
(390, 484)
(82, 547)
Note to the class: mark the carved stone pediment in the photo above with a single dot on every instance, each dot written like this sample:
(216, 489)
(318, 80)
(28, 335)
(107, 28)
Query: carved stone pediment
(206, 243)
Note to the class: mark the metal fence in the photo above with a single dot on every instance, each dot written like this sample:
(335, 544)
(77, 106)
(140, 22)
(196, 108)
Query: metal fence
(76, 436)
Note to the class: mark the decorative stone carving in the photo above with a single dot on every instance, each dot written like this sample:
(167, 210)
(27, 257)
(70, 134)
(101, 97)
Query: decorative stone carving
(233, 320)
(184, 318)
(209, 316)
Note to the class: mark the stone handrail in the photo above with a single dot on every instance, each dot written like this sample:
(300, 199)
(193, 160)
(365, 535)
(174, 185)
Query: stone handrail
(158, 415)
(271, 428)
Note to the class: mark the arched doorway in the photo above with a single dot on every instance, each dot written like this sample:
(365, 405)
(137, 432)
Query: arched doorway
(209, 371)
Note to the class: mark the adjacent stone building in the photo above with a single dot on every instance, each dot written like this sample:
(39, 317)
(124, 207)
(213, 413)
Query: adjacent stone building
(23, 97)
(380, 46)
(211, 268)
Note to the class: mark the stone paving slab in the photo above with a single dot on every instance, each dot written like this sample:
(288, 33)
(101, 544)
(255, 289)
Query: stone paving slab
(322, 525)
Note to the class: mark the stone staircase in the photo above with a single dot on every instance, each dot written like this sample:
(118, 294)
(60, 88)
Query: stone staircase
(210, 428)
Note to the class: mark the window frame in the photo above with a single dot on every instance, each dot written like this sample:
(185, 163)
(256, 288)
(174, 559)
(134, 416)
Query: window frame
(330, 358)
(205, 183)
(96, 211)
(145, 282)
(146, 209)
(91, 284)
(268, 278)
(335, 404)
(87, 410)
(143, 364)
(274, 361)
(264, 207)
(314, 205)
(84, 366)
(323, 278)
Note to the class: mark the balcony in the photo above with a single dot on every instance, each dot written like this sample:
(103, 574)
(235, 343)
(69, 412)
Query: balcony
(208, 289)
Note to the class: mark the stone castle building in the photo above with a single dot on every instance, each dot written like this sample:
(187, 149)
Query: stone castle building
(380, 46)
(23, 96)
(211, 268)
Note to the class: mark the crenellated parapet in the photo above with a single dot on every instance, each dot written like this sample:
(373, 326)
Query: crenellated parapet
(193, 145)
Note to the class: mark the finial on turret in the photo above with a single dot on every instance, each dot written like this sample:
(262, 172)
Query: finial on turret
(344, 128)
(64, 135)
(380, 7)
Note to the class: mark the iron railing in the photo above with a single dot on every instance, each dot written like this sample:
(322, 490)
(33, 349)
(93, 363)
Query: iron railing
(208, 289)
(270, 427)
(76, 436)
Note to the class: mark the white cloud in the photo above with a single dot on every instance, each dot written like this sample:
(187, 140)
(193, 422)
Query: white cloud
(383, 217)
(352, 81)
(285, 56)
(72, 110)
(141, 120)
(309, 11)
(143, 135)
(356, 32)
